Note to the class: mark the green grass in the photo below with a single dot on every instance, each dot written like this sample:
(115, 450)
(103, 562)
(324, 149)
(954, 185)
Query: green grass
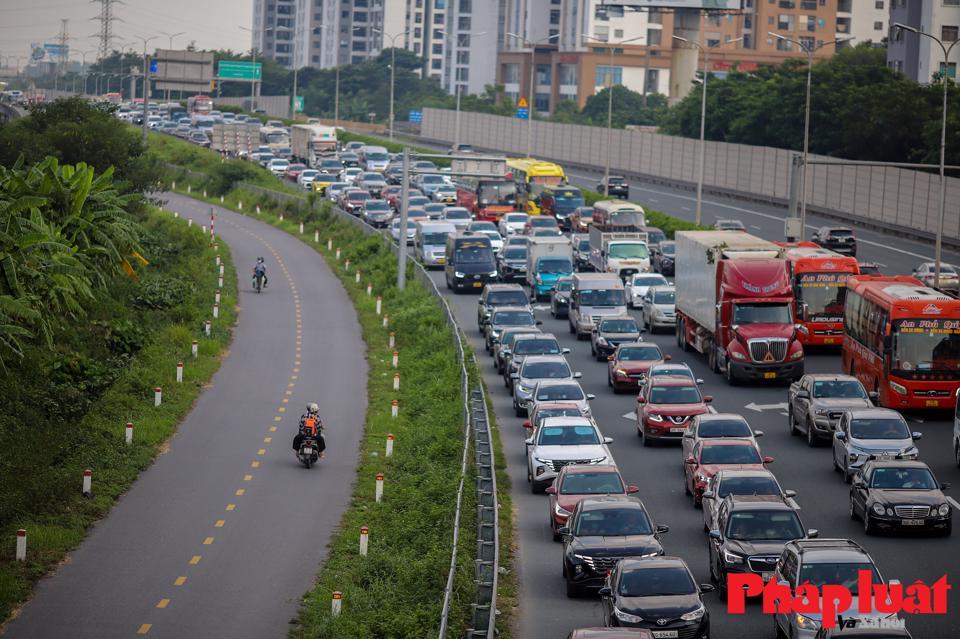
(52, 449)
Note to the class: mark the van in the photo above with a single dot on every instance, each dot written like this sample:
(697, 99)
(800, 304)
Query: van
(374, 158)
(430, 242)
(617, 215)
(594, 295)
(470, 263)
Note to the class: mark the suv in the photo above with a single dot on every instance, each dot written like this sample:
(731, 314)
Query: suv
(750, 535)
(664, 405)
(614, 185)
(733, 481)
(550, 391)
(561, 441)
(837, 239)
(560, 297)
(494, 295)
(815, 404)
(504, 347)
(629, 364)
(871, 433)
(610, 332)
(658, 308)
(505, 316)
(576, 483)
(820, 562)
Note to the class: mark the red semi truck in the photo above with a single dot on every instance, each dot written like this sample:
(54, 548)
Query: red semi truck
(735, 305)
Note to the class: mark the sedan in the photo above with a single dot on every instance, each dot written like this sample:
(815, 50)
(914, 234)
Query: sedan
(560, 441)
(503, 351)
(428, 183)
(899, 495)
(664, 406)
(711, 455)
(576, 483)
(523, 346)
(512, 264)
(717, 425)
(836, 238)
(350, 175)
(458, 216)
(732, 481)
(435, 210)
(377, 213)
(867, 433)
(640, 283)
(446, 193)
(354, 201)
(490, 230)
(560, 297)
(293, 171)
(512, 223)
(544, 409)
(566, 391)
(949, 279)
(729, 225)
(371, 182)
(662, 258)
(411, 231)
(614, 185)
(278, 166)
(306, 178)
(534, 369)
(536, 222)
(630, 363)
(330, 166)
(505, 317)
(610, 333)
(581, 219)
(658, 308)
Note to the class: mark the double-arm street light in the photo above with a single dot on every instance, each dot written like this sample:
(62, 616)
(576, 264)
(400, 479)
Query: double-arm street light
(83, 55)
(533, 72)
(809, 50)
(393, 66)
(945, 77)
(703, 115)
(171, 36)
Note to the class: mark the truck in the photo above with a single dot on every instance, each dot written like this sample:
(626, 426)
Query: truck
(238, 139)
(622, 252)
(199, 105)
(594, 296)
(548, 259)
(274, 137)
(735, 305)
(310, 142)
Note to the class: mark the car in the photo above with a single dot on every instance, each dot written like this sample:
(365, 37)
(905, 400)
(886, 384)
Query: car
(534, 369)
(446, 193)
(751, 532)
(560, 441)
(544, 410)
(200, 138)
(949, 279)
(614, 185)
(515, 240)
(354, 146)
(672, 369)
(502, 317)
(658, 308)
(581, 219)
(664, 404)
(717, 425)
(395, 197)
(394, 174)
(350, 159)
(390, 191)
(602, 531)
(372, 182)
(351, 175)
(278, 166)
(306, 178)
(293, 171)
(546, 232)
(334, 189)
(395, 231)
(490, 230)
(871, 268)
(423, 166)
(330, 166)
(494, 295)
(354, 200)
(435, 210)
(839, 239)
(655, 236)
(657, 593)
(522, 346)
(710, 455)
(567, 391)
(502, 350)
(560, 297)
(458, 216)
(536, 222)
(627, 367)
(575, 483)
(639, 283)
(418, 201)
(512, 264)
(457, 149)
(819, 562)
(428, 182)
(663, 256)
(610, 332)
(734, 481)
(871, 432)
(581, 252)
(896, 494)
(512, 223)
(816, 402)
(377, 213)
(956, 432)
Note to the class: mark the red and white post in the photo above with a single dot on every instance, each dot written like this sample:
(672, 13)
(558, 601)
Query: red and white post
(195, 349)
(386, 320)
(396, 381)
(394, 408)
(396, 359)
(216, 296)
(216, 311)
(157, 396)
(364, 540)
(21, 545)
(338, 255)
(128, 435)
(336, 603)
(179, 372)
(379, 489)
(393, 339)
(87, 483)
(369, 290)
(390, 440)
(356, 277)
(206, 328)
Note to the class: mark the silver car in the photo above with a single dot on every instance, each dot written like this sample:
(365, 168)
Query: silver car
(568, 392)
(658, 308)
(816, 402)
(879, 433)
(735, 481)
(534, 369)
(458, 216)
(371, 182)
(712, 425)
(640, 283)
(512, 223)
(560, 441)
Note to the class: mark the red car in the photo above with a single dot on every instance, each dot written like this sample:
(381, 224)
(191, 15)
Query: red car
(711, 455)
(393, 199)
(627, 367)
(664, 406)
(577, 482)
(537, 222)
(293, 171)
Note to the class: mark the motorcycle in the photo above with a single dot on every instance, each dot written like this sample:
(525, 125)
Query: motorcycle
(308, 453)
(258, 282)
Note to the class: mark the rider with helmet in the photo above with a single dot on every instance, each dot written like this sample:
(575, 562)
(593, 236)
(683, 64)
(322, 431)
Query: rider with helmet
(260, 270)
(310, 426)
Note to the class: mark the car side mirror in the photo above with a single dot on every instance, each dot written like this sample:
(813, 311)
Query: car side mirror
(874, 396)
(789, 494)
(563, 530)
(667, 358)
(841, 436)
(550, 490)
(916, 435)
(608, 440)
(662, 530)
(604, 592)
(707, 399)
(539, 322)
(577, 375)
(527, 424)
(768, 460)
(944, 485)
(641, 400)
(480, 302)
(691, 461)
(528, 441)
(631, 489)
(803, 395)
(708, 494)
(714, 534)
(707, 588)
(514, 375)
(813, 533)
(699, 381)
(591, 397)
(564, 351)
(610, 358)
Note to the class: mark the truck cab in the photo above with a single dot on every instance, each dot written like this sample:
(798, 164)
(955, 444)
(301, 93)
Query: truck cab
(548, 259)
(594, 295)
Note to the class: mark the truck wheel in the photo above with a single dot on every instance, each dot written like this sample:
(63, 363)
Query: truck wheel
(729, 374)
(712, 358)
(682, 336)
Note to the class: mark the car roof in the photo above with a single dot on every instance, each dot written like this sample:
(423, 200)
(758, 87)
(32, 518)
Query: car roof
(895, 463)
(673, 366)
(660, 561)
(606, 502)
(672, 380)
(662, 287)
(567, 421)
(757, 502)
(874, 411)
(829, 550)
(555, 405)
(537, 336)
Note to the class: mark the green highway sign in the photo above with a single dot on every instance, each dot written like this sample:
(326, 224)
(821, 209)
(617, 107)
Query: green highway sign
(298, 103)
(233, 70)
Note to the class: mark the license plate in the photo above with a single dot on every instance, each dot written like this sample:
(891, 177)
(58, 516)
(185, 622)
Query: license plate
(665, 634)
(829, 340)
(307, 450)
(769, 375)
(767, 576)
(441, 260)
(477, 284)
(911, 522)
(932, 402)
(677, 430)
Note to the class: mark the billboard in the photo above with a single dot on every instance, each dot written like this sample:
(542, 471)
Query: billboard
(190, 71)
(48, 51)
(731, 5)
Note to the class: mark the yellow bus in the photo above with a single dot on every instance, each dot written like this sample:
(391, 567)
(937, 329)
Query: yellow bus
(530, 175)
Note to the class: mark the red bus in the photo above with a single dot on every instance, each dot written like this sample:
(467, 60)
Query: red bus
(487, 198)
(819, 278)
(903, 341)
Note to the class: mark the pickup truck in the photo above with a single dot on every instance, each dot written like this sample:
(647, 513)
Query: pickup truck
(815, 404)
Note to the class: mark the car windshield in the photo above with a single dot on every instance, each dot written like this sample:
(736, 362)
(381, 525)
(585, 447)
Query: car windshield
(372, 177)
(748, 486)
(724, 428)
(671, 371)
(840, 233)
(377, 206)
(568, 200)
(602, 297)
(675, 395)
(759, 525)
(513, 318)
(613, 522)
(542, 221)
(331, 164)
(628, 251)
(583, 246)
(649, 353)
(839, 389)
(668, 248)
(655, 237)
(837, 574)
(516, 253)
(619, 326)
(746, 454)
(500, 298)
(878, 428)
(903, 479)
(537, 346)
(377, 157)
(656, 582)
(555, 266)
(568, 436)
(649, 280)
(454, 214)
(516, 218)
(483, 227)
(431, 179)
(567, 392)
(358, 196)
(474, 255)
(545, 370)
(591, 484)
(564, 285)
(434, 239)
(927, 345)
(417, 200)
(556, 412)
(762, 314)
(664, 297)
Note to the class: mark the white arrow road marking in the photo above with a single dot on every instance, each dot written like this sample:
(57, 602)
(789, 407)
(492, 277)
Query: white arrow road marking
(541, 307)
(782, 406)
(711, 409)
(953, 502)
(630, 415)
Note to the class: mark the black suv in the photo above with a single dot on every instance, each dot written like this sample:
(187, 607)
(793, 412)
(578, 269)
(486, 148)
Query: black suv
(897, 494)
(494, 295)
(836, 238)
(750, 535)
(617, 185)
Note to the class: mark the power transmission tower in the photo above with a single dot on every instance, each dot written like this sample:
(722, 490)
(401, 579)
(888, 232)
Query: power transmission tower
(63, 39)
(106, 19)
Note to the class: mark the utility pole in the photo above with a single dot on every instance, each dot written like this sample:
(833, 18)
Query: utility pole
(404, 200)
(105, 33)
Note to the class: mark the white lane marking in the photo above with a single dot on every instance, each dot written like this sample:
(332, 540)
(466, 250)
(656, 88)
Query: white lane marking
(630, 415)
(782, 406)
(754, 226)
(541, 307)
(953, 502)
(653, 199)
(685, 208)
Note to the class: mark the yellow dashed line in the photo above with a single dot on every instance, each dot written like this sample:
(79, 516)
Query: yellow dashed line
(267, 440)
(277, 418)
(144, 629)
(254, 464)
(220, 523)
(195, 560)
(207, 541)
(262, 451)
(240, 492)
(247, 477)
(163, 603)
(180, 581)
(231, 506)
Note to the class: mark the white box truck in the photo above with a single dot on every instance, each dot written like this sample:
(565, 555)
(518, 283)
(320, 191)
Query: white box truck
(236, 138)
(548, 259)
(312, 141)
(622, 252)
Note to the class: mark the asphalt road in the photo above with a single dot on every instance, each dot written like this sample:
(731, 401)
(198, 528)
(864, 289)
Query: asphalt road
(222, 535)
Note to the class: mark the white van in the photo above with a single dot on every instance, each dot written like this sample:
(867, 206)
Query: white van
(430, 242)
(595, 295)
(374, 158)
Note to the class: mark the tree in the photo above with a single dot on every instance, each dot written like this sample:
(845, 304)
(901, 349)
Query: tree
(629, 107)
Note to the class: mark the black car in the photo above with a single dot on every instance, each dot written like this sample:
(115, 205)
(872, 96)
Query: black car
(750, 535)
(502, 350)
(655, 236)
(504, 317)
(523, 346)
(581, 252)
(610, 332)
(836, 238)
(560, 297)
(512, 264)
(657, 593)
(898, 494)
(615, 185)
(871, 268)
(349, 160)
(662, 257)
(329, 166)
(600, 532)
(495, 295)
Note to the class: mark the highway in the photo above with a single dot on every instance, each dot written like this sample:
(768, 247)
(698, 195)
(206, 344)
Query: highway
(223, 534)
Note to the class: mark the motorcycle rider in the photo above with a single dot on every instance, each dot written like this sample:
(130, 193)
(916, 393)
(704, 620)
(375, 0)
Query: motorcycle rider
(310, 425)
(260, 270)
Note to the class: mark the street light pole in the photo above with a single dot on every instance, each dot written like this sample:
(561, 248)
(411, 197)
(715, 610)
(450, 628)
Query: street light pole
(530, 95)
(146, 84)
(253, 54)
(393, 66)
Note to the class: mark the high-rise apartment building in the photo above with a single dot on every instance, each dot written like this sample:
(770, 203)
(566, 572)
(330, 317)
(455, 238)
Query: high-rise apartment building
(919, 57)
(862, 21)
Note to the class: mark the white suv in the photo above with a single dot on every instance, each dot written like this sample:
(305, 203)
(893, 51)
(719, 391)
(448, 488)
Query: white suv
(560, 441)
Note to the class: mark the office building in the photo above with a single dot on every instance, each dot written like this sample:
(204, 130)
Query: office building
(917, 56)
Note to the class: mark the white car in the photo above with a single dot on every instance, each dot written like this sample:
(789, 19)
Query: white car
(306, 178)
(565, 391)
(490, 230)
(411, 231)
(512, 223)
(445, 193)
(335, 189)
(658, 308)
(560, 441)
(278, 166)
(639, 284)
(949, 279)
(458, 216)
(350, 175)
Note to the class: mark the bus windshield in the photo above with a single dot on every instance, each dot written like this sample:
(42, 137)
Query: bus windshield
(568, 200)
(629, 251)
(435, 239)
(926, 345)
(822, 295)
(761, 314)
(497, 193)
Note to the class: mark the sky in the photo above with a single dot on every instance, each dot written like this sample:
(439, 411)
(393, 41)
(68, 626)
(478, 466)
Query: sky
(211, 24)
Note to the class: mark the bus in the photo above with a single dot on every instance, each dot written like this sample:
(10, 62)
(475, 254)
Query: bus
(199, 105)
(902, 341)
(487, 198)
(819, 278)
(530, 176)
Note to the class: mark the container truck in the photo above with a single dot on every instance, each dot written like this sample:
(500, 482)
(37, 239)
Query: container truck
(622, 252)
(311, 142)
(236, 138)
(548, 259)
(735, 305)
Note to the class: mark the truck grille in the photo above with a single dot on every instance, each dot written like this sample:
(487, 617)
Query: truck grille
(912, 512)
(762, 563)
(768, 350)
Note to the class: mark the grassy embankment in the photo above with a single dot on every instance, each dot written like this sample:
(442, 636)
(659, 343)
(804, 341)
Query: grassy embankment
(66, 409)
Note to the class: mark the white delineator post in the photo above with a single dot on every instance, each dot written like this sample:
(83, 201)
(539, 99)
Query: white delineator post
(179, 372)
(221, 270)
(316, 236)
(216, 296)
(87, 482)
(189, 188)
(157, 396)
(393, 339)
(281, 216)
(346, 266)
(216, 311)
(338, 255)
(189, 223)
(258, 209)
(221, 199)
(301, 228)
(369, 290)
(240, 205)
(379, 488)
(390, 440)
(206, 328)
(379, 305)
(218, 260)
(195, 348)
(175, 214)
(386, 320)
(396, 381)
(356, 277)
(173, 185)
(21, 545)
(364, 540)
(394, 408)
(204, 193)
(396, 359)
(329, 245)
(128, 436)
(336, 603)
(220, 281)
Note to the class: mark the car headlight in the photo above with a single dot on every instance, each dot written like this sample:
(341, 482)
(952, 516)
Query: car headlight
(732, 558)
(653, 417)
(539, 280)
(524, 389)
(910, 453)
(805, 623)
(541, 461)
(626, 617)
(853, 456)
(601, 341)
(561, 511)
(492, 273)
(797, 355)
(621, 372)
(458, 274)
(597, 460)
(495, 334)
(879, 509)
(944, 510)
(823, 412)
(693, 615)
(738, 355)
(902, 390)
(701, 478)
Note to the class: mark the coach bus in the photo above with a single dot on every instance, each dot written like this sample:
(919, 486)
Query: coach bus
(819, 278)
(902, 340)
(487, 198)
(530, 176)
